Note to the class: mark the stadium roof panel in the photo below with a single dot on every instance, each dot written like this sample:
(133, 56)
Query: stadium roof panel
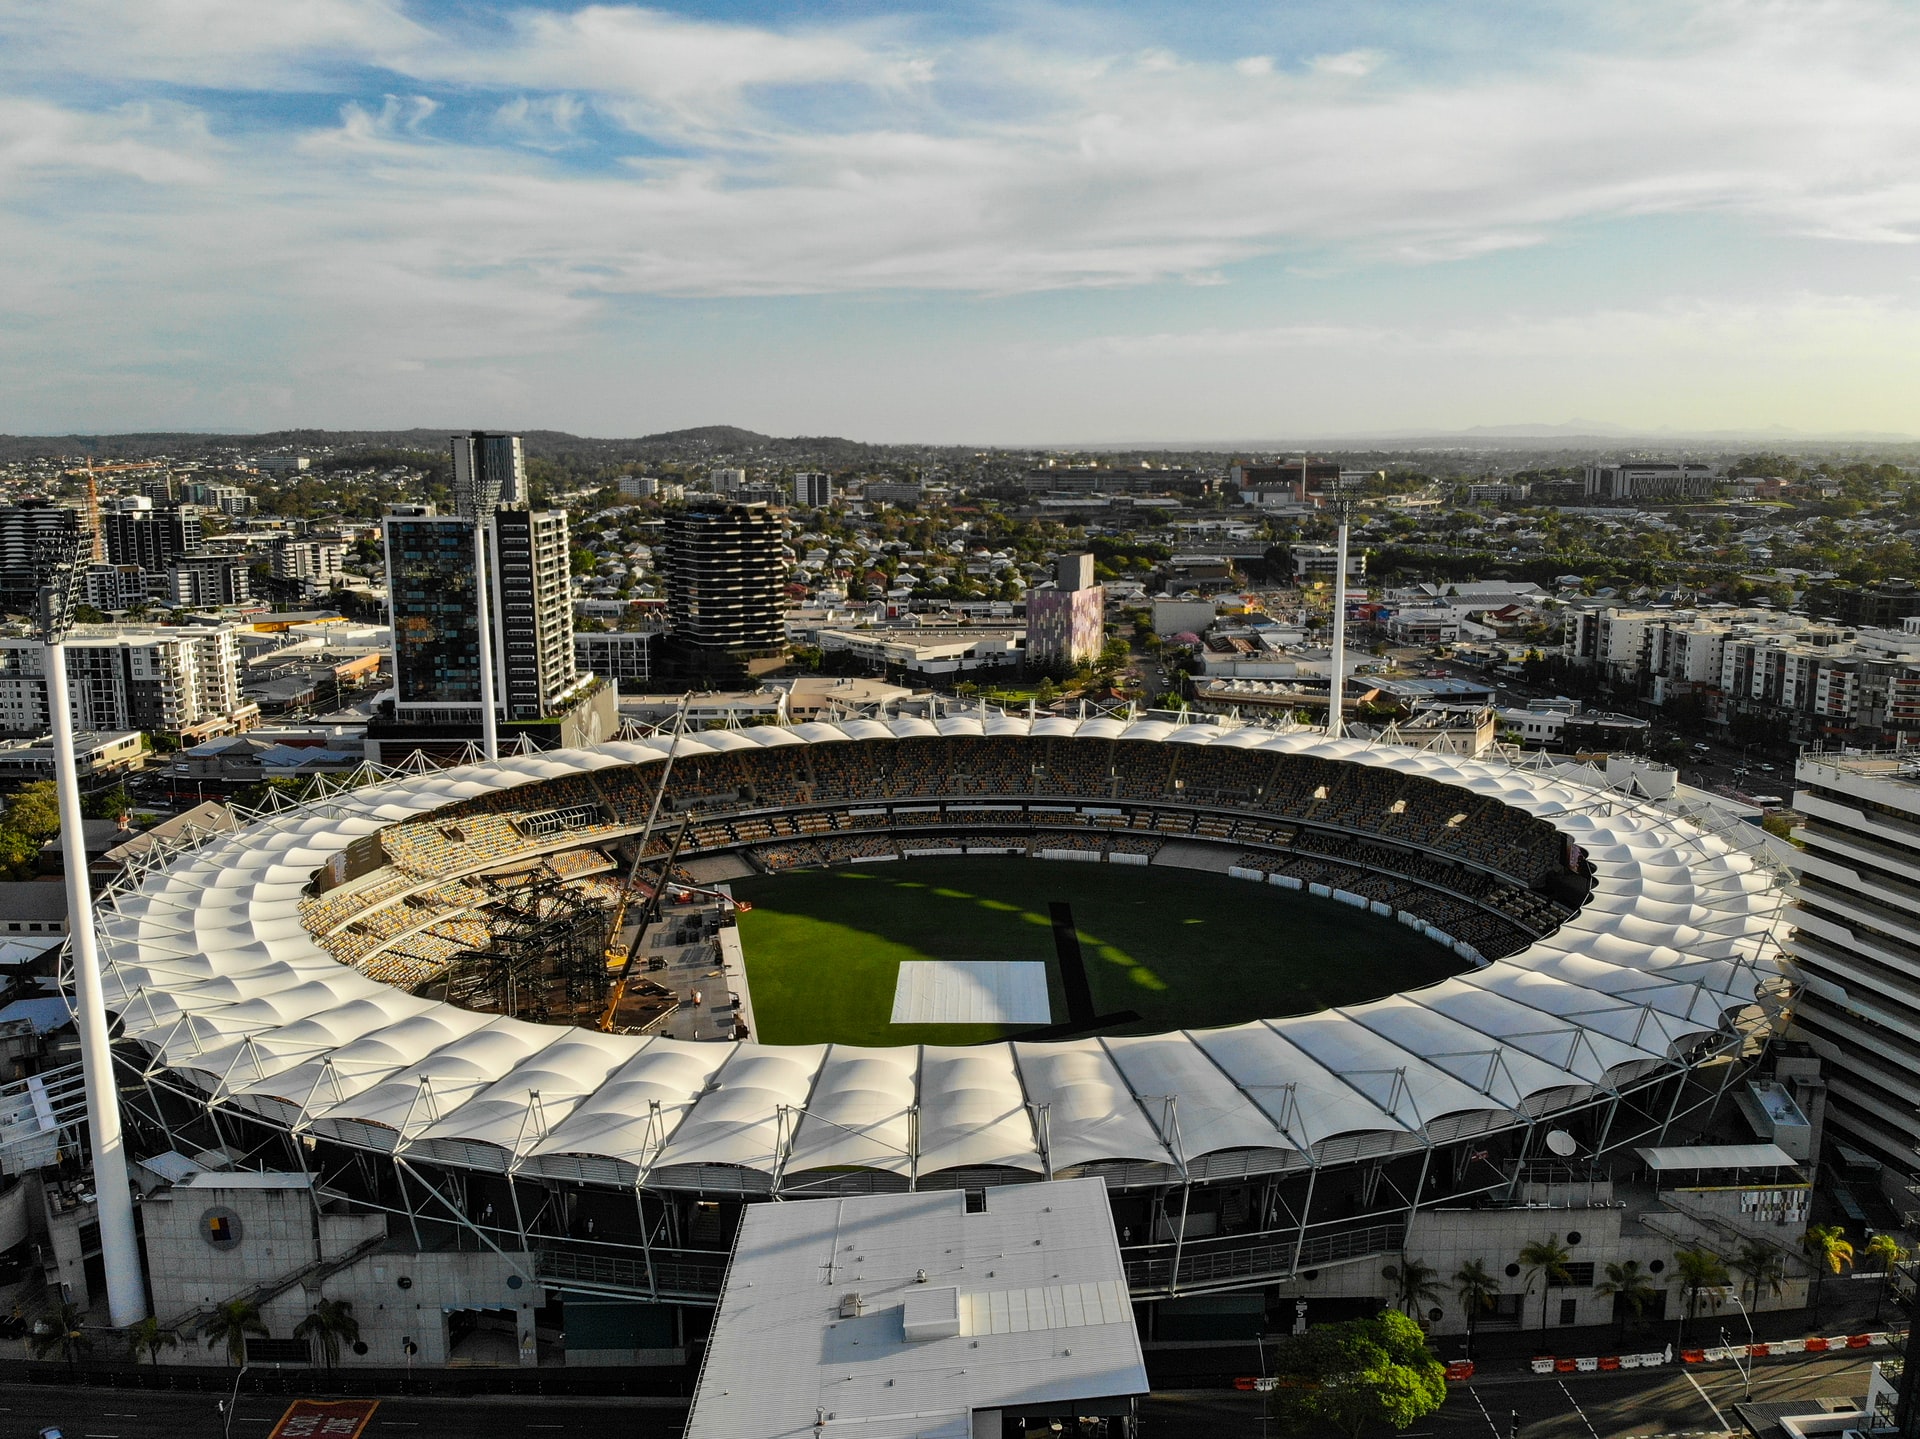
(209, 966)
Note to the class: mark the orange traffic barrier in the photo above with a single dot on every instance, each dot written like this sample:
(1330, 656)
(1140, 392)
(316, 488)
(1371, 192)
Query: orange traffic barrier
(1758, 1351)
(1609, 1362)
(1817, 1346)
(1693, 1356)
(1460, 1369)
(1567, 1366)
(1859, 1341)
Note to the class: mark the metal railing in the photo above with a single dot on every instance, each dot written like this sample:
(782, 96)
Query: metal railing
(1201, 1268)
(632, 1273)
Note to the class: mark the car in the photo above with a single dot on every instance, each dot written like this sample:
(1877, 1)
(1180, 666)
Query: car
(1703, 749)
(1766, 769)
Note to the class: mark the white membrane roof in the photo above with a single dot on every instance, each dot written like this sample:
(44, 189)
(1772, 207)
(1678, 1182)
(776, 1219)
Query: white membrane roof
(210, 968)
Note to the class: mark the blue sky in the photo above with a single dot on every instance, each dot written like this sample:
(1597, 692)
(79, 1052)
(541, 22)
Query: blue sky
(1036, 223)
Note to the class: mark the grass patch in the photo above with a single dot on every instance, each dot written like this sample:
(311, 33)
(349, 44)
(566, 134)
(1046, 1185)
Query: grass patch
(1186, 950)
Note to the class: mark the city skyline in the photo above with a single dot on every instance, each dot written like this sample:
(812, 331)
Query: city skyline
(1005, 225)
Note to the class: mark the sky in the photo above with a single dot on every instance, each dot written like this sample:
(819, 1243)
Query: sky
(984, 223)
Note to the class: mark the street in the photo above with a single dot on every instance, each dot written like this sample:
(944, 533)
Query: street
(1673, 1400)
(1694, 1400)
(87, 1413)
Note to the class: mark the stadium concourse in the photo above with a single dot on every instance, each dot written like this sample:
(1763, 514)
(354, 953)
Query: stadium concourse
(1619, 971)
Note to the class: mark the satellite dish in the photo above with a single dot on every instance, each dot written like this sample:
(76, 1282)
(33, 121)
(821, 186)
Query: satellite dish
(1562, 1143)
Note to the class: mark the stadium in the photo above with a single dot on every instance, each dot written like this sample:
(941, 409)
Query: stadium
(399, 990)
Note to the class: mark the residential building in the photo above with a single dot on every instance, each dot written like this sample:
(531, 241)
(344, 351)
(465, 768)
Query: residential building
(623, 656)
(532, 612)
(488, 469)
(115, 587)
(812, 489)
(1856, 937)
(100, 759)
(892, 492)
(436, 630)
(154, 537)
(725, 602)
(282, 464)
(638, 487)
(1649, 480)
(23, 529)
(726, 480)
(1066, 621)
(203, 581)
(436, 616)
(1318, 564)
(310, 567)
(178, 680)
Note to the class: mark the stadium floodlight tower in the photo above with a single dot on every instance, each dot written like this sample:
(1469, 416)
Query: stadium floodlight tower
(476, 495)
(1337, 669)
(59, 572)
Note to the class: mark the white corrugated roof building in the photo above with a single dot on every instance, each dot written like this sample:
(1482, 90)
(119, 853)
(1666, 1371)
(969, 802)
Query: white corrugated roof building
(905, 1316)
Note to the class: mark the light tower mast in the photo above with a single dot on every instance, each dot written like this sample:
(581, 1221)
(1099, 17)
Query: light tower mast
(1337, 669)
(58, 570)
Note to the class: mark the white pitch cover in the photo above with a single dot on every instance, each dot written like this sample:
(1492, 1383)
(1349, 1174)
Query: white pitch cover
(971, 991)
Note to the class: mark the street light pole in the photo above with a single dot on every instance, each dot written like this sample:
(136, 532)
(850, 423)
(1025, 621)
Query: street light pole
(59, 572)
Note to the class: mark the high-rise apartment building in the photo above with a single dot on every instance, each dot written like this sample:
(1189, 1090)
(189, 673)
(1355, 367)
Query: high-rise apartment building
(310, 567)
(532, 612)
(154, 538)
(1857, 940)
(181, 680)
(488, 470)
(726, 480)
(724, 572)
(1066, 622)
(198, 581)
(436, 624)
(432, 598)
(812, 488)
(23, 529)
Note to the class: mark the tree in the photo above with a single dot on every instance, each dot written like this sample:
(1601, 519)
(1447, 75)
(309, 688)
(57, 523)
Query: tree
(1477, 1289)
(1886, 1251)
(1702, 1273)
(330, 1325)
(1631, 1290)
(148, 1338)
(1415, 1285)
(57, 1330)
(230, 1324)
(1763, 1268)
(1828, 1247)
(1359, 1373)
(1545, 1260)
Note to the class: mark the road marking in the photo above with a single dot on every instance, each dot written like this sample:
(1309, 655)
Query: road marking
(1483, 1411)
(1707, 1398)
(1578, 1410)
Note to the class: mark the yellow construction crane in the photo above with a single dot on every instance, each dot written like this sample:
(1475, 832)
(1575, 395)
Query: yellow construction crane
(615, 953)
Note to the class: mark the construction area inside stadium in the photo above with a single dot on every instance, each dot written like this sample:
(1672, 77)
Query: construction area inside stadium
(481, 1047)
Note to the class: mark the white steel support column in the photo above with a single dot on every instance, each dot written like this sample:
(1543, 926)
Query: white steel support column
(1337, 670)
(483, 609)
(119, 1249)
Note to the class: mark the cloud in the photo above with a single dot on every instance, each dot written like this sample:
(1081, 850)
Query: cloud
(505, 180)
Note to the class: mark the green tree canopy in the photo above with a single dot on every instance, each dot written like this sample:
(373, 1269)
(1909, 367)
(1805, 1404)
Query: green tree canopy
(1356, 1375)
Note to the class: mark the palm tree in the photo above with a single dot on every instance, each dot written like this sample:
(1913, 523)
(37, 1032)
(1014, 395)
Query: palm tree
(57, 1331)
(1414, 1284)
(1828, 1248)
(148, 1338)
(330, 1325)
(1701, 1271)
(1631, 1289)
(1477, 1290)
(231, 1323)
(1764, 1268)
(1546, 1260)
(1886, 1251)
